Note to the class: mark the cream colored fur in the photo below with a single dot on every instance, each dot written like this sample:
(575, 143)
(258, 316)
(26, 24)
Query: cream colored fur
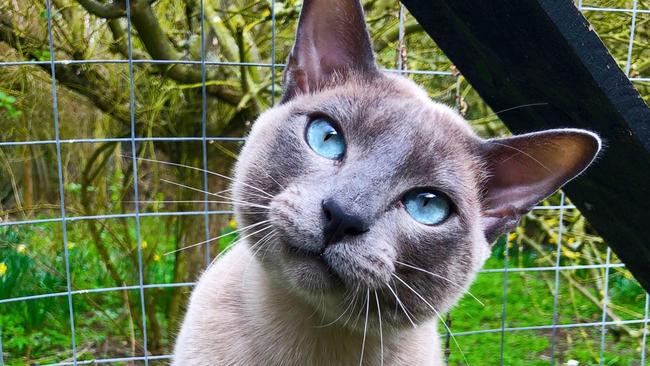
(237, 316)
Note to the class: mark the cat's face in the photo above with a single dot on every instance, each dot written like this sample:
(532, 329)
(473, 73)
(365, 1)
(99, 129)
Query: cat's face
(371, 188)
(392, 146)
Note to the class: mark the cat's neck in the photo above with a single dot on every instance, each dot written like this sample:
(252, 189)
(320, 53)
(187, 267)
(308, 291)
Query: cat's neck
(239, 315)
(282, 320)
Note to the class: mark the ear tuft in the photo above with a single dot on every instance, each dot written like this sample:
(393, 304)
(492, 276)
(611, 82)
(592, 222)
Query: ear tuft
(331, 40)
(523, 170)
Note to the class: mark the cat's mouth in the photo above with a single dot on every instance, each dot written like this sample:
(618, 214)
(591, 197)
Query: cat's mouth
(316, 260)
(305, 253)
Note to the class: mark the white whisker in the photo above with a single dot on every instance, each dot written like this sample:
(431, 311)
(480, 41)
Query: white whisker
(321, 302)
(381, 332)
(198, 201)
(198, 169)
(365, 327)
(356, 319)
(354, 303)
(245, 193)
(218, 237)
(437, 314)
(250, 204)
(340, 316)
(172, 201)
(259, 244)
(399, 302)
(520, 106)
(239, 240)
(273, 179)
(252, 212)
(522, 152)
(442, 278)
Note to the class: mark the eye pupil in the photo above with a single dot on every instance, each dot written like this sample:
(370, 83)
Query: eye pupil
(427, 198)
(325, 139)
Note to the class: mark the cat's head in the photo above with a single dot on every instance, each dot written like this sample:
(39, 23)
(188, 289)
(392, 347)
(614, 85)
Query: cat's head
(372, 188)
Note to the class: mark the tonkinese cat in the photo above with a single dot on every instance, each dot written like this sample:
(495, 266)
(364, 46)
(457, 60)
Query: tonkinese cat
(368, 211)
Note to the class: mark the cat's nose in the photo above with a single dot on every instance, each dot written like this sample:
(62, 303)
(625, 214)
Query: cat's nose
(339, 224)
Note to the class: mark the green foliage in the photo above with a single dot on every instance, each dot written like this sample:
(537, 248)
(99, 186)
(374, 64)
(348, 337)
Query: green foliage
(228, 236)
(530, 303)
(7, 103)
(27, 327)
(42, 55)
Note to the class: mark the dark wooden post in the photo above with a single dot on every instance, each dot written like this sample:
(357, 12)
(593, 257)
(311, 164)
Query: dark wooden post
(517, 52)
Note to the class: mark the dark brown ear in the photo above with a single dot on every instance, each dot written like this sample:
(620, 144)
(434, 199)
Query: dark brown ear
(331, 39)
(525, 169)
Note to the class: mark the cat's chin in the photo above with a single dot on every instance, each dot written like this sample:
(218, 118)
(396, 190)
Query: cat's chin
(307, 271)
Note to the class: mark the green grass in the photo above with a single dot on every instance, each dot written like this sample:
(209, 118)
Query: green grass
(530, 303)
(106, 324)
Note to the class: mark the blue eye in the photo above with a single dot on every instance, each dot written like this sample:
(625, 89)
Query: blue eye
(427, 206)
(325, 140)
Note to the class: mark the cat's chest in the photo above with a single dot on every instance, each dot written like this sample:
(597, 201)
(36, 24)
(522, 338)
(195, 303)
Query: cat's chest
(236, 318)
(323, 348)
(290, 333)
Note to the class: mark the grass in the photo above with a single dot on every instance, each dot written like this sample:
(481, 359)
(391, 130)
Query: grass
(529, 302)
(106, 324)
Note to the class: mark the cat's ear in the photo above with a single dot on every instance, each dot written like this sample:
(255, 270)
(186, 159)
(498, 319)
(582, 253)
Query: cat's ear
(332, 38)
(525, 169)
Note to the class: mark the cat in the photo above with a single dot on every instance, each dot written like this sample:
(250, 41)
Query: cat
(368, 211)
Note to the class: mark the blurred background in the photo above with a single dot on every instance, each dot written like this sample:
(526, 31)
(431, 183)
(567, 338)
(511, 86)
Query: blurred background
(602, 311)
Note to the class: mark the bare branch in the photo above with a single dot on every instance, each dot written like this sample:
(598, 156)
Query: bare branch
(119, 44)
(393, 36)
(157, 44)
(86, 82)
(103, 10)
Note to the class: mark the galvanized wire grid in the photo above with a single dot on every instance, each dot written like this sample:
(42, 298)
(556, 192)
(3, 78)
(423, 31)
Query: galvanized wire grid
(206, 213)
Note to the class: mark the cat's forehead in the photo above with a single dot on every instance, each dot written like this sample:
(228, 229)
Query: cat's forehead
(393, 110)
(386, 103)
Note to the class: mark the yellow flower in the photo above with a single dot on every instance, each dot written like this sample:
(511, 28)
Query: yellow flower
(571, 254)
(71, 245)
(144, 244)
(571, 240)
(22, 248)
(156, 258)
(3, 269)
(232, 223)
(512, 236)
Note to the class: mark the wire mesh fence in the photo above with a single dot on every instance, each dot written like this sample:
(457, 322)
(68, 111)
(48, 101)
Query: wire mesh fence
(545, 280)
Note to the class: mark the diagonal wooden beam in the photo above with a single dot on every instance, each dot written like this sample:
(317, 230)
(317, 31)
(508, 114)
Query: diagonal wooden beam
(516, 52)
